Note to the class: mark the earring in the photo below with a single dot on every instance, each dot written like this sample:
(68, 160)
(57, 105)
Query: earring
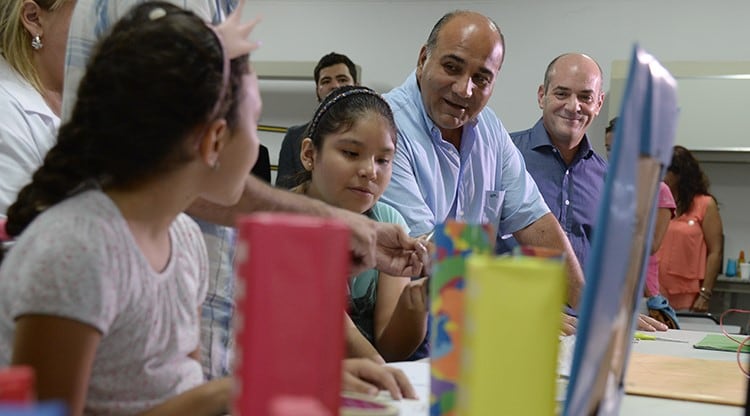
(215, 166)
(36, 42)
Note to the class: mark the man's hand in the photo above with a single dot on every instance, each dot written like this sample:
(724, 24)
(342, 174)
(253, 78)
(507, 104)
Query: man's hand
(363, 240)
(398, 254)
(383, 246)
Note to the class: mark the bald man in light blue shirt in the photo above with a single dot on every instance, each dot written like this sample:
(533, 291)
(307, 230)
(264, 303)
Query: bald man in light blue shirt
(454, 158)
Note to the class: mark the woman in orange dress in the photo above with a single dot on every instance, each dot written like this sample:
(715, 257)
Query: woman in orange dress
(690, 255)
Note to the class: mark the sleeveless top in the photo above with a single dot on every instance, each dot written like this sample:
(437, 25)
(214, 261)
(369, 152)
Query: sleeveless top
(683, 251)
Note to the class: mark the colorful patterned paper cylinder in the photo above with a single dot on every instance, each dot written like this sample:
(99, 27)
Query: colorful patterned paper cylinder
(454, 241)
(290, 296)
(512, 323)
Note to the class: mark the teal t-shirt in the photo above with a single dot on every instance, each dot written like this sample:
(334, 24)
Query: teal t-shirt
(363, 288)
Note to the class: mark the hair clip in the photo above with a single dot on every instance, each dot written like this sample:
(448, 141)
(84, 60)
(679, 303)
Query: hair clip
(157, 13)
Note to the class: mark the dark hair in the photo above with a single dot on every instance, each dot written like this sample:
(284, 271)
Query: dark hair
(340, 110)
(332, 59)
(432, 38)
(150, 87)
(612, 125)
(551, 66)
(692, 180)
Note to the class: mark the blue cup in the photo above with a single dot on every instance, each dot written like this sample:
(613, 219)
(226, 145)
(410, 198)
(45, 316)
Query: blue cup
(731, 268)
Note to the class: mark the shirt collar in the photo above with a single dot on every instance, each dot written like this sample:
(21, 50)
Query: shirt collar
(19, 88)
(540, 138)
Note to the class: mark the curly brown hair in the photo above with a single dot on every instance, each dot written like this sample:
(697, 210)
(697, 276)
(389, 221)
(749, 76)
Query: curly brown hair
(692, 181)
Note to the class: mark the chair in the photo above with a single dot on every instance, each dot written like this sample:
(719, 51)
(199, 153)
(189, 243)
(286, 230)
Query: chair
(262, 167)
(697, 317)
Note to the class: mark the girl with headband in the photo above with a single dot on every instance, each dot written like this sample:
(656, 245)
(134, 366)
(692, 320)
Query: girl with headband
(347, 156)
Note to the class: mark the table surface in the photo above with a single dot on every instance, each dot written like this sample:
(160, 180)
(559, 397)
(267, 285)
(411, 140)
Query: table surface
(418, 373)
(647, 406)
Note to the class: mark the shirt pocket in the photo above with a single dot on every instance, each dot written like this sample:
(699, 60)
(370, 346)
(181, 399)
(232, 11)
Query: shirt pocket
(492, 207)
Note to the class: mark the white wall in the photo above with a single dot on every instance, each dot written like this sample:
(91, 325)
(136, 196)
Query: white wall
(731, 187)
(384, 37)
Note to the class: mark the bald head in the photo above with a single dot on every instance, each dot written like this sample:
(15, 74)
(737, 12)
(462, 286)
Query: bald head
(570, 98)
(457, 69)
(577, 60)
(467, 15)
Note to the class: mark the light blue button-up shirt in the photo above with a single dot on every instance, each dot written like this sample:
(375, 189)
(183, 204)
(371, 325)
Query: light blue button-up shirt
(485, 182)
(92, 19)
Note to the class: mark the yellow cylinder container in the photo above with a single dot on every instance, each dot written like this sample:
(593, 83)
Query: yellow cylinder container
(510, 340)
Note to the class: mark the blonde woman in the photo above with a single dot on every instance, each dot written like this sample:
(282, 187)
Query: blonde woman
(33, 35)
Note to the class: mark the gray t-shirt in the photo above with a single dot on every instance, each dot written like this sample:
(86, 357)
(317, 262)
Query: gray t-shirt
(78, 260)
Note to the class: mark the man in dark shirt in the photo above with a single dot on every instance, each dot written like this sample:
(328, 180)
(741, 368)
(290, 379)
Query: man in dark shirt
(559, 155)
(332, 71)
